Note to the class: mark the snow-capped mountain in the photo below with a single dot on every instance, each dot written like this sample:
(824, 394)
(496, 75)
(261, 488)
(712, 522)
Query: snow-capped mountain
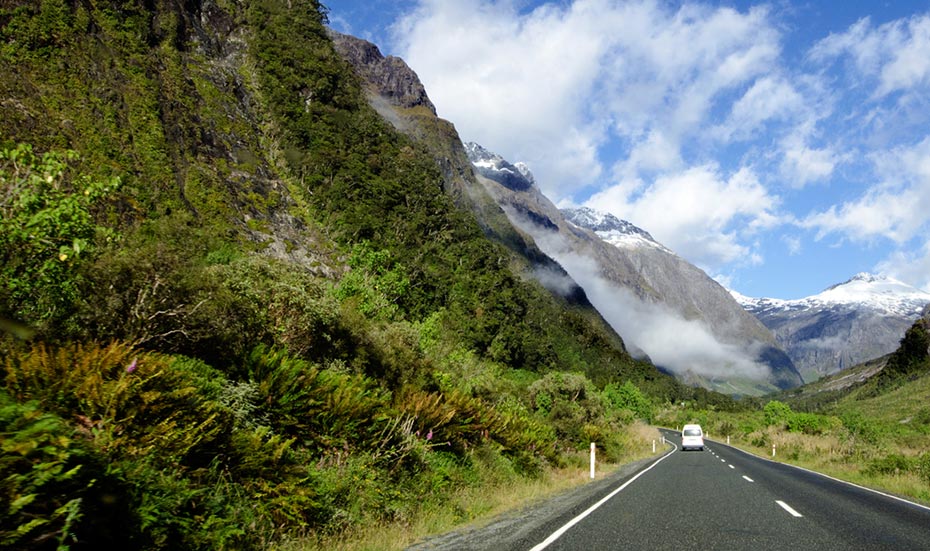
(848, 323)
(662, 306)
(516, 176)
(611, 229)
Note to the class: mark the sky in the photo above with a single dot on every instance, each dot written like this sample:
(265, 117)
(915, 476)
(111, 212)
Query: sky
(782, 147)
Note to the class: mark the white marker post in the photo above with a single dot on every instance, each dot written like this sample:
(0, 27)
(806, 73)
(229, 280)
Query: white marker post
(592, 460)
(773, 450)
(653, 446)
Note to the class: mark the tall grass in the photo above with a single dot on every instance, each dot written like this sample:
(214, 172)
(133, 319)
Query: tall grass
(500, 491)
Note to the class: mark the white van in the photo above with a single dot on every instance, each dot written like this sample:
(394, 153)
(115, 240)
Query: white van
(692, 438)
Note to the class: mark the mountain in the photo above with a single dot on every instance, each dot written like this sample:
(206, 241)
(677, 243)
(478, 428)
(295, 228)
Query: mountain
(847, 324)
(664, 307)
(247, 272)
(393, 89)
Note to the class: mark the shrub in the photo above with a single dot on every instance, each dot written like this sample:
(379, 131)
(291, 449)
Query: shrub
(569, 402)
(861, 427)
(320, 408)
(131, 403)
(281, 305)
(47, 231)
(807, 423)
(923, 467)
(777, 413)
(891, 464)
(628, 396)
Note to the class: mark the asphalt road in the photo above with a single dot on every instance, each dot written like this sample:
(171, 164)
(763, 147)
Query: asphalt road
(722, 499)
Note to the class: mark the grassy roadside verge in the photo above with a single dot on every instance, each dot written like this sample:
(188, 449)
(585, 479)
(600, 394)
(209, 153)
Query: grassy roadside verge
(830, 456)
(477, 506)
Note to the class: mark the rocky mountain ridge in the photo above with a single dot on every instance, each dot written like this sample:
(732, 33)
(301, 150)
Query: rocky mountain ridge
(848, 323)
(663, 306)
(608, 227)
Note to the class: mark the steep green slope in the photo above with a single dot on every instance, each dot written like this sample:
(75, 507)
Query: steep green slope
(245, 125)
(301, 332)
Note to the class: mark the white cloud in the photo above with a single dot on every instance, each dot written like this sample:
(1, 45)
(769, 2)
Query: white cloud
(896, 54)
(552, 87)
(912, 267)
(698, 213)
(769, 97)
(802, 164)
(680, 345)
(793, 244)
(897, 209)
(511, 81)
(690, 120)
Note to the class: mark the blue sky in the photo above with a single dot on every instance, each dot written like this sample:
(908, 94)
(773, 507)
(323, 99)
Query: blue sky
(782, 147)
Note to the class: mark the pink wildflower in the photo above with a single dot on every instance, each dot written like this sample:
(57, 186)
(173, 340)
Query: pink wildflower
(132, 366)
(429, 435)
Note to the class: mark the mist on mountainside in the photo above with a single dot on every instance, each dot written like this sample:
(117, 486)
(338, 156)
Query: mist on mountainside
(683, 347)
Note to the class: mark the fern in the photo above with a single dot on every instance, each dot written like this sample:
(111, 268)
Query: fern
(129, 402)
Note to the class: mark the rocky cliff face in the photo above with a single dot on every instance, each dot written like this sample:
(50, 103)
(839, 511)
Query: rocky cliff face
(395, 92)
(663, 306)
(849, 323)
(388, 77)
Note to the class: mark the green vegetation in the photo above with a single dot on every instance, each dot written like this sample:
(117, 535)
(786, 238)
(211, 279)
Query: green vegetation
(258, 319)
(46, 232)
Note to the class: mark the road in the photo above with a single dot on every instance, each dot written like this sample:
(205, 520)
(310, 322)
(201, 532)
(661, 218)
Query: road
(724, 499)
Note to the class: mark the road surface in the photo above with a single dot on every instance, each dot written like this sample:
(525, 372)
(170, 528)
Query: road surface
(724, 499)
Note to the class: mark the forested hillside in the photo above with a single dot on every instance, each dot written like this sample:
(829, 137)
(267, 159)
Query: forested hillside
(239, 307)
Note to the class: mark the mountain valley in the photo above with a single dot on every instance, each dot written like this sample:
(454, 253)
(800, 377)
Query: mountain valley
(847, 324)
(255, 293)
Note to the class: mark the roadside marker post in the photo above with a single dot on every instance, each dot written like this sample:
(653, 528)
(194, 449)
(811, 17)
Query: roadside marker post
(592, 460)
(773, 450)
(653, 446)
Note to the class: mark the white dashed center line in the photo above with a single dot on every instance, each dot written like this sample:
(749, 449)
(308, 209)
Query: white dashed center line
(748, 479)
(788, 508)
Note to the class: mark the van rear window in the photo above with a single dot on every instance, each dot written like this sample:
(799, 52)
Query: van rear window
(692, 432)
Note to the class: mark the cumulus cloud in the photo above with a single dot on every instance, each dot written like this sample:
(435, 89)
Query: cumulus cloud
(912, 266)
(770, 97)
(553, 86)
(803, 164)
(793, 244)
(698, 212)
(518, 83)
(897, 209)
(690, 119)
(896, 54)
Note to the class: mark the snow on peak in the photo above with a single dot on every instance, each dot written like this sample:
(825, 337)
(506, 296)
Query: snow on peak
(491, 165)
(611, 229)
(879, 291)
(874, 291)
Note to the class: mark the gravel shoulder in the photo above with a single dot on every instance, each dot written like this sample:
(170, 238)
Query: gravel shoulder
(520, 529)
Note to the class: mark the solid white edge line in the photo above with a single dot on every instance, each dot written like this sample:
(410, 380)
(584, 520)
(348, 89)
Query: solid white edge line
(558, 533)
(788, 508)
(853, 484)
